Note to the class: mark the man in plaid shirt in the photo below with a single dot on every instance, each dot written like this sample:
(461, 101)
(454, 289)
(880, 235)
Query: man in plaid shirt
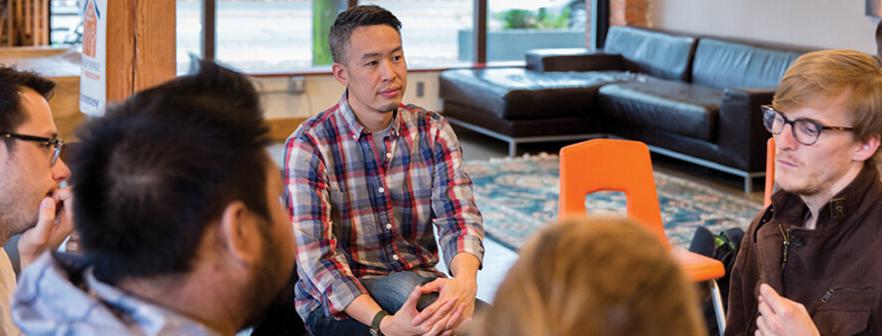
(365, 182)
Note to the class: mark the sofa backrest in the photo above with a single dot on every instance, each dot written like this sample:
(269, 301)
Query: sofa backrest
(657, 53)
(729, 64)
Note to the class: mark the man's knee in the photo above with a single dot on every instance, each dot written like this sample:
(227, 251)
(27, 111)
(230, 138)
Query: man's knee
(392, 291)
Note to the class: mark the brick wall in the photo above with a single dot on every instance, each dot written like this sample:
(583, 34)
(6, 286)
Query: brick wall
(629, 12)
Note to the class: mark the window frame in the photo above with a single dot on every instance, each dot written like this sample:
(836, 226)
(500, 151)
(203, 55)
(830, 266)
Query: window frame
(479, 41)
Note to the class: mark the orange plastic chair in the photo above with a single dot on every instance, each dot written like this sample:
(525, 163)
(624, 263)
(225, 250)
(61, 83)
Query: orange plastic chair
(625, 166)
(770, 173)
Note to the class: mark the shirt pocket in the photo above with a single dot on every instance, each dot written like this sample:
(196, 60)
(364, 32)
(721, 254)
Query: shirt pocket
(845, 311)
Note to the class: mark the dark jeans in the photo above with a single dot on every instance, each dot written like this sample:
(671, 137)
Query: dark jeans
(389, 291)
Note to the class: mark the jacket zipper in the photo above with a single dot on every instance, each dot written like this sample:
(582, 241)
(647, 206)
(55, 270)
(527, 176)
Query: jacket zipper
(785, 246)
(827, 295)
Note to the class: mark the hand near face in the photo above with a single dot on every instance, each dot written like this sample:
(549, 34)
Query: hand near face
(781, 316)
(460, 291)
(54, 224)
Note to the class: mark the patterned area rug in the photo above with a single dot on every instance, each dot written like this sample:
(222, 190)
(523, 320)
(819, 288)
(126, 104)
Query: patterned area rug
(519, 196)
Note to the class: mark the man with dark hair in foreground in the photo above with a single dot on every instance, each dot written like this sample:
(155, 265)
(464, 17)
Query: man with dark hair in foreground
(179, 219)
(31, 202)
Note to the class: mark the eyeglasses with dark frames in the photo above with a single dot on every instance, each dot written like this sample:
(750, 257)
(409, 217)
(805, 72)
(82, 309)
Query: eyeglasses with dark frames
(55, 143)
(805, 131)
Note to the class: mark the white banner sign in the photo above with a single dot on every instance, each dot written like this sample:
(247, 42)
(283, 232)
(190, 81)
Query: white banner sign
(93, 78)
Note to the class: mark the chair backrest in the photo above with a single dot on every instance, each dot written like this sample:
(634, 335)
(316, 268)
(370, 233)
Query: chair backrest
(770, 172)
(610, 165)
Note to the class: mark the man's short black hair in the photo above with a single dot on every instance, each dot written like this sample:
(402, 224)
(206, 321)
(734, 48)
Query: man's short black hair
(358, 16)
(151, 175)
(12, 82)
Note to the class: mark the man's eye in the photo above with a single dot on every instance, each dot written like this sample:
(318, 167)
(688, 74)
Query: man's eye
(371, 63)
(810, 128)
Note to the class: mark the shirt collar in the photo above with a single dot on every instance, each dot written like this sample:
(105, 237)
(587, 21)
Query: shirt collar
(356, 130)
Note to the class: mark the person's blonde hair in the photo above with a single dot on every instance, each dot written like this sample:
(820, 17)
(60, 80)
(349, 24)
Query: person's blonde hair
(597, 276)
(829, 73)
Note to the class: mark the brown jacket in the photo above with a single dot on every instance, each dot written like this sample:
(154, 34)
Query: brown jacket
(834, 270)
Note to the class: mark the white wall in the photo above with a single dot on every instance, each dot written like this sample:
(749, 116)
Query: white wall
(323, 91)
(809, 23)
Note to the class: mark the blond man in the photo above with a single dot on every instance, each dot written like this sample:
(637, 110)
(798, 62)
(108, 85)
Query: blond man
(810, 263)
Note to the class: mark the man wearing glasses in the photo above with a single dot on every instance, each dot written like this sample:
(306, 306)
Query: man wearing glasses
(811, 263)
(31, 202)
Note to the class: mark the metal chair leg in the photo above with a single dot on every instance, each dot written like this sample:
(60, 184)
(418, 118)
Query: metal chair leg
(717, 300)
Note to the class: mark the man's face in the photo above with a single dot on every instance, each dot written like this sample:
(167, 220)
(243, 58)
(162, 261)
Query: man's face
(375, 71)
(26, 174)
(820, 168)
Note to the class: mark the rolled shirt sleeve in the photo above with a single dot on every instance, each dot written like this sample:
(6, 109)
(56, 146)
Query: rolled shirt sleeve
(459, 222)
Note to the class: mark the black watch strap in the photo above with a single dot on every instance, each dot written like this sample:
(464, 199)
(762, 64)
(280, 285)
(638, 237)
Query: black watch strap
(375, 324)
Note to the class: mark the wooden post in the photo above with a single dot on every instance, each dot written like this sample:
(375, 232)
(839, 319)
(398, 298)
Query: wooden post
(140, 45)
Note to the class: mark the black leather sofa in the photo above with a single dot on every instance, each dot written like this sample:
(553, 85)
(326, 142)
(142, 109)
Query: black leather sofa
(690, 97)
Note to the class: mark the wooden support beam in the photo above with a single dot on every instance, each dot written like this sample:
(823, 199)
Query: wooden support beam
(140, 45)
(154, 43)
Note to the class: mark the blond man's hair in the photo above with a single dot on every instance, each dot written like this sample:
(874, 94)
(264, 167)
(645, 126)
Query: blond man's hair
(829, 73)
(598, 276)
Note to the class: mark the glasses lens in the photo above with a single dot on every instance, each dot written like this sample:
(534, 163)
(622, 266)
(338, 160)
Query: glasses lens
(768, 119)
(59, 145)
(773, 121)
(806, 132)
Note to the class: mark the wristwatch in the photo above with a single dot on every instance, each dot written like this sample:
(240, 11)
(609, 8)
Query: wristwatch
(375, 324)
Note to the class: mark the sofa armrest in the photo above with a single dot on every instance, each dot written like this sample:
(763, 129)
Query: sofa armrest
(572, 60)
(742, 135)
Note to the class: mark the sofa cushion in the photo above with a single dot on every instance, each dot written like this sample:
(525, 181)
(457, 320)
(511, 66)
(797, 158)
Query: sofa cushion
(672, 106)
(573, 59)
(516, 93)
(660, 54)
(727, 64)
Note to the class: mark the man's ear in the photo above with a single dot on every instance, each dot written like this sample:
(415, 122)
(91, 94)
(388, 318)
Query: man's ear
(866, 149)
(339, 72)
(238, 228)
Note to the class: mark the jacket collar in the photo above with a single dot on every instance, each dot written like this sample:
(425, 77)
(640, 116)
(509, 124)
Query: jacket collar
(59, 289)
(790, 208)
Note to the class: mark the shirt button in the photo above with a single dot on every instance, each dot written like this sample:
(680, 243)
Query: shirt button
(389, 226)
(381, 190)
(395, 257)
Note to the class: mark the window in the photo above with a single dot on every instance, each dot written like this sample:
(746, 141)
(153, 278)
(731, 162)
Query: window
(435, 33)
(264, 36)
(284, 36)
(514, 27)
(66, 26)
(188, 33)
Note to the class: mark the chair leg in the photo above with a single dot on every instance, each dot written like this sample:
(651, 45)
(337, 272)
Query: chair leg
(512, 148)
(717, 300)
(748, 184)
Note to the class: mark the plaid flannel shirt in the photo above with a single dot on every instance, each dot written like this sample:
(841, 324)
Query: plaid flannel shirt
(357, 215)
